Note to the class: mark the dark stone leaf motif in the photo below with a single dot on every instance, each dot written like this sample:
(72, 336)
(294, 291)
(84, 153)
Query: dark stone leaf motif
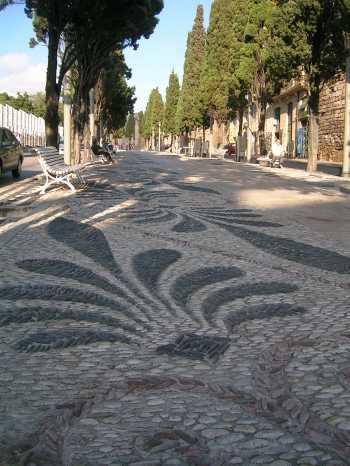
(87, 240)
(68, 295)
(45, 341)
(101, 191)
(240, 221)
(92, 243)
(189, 225)
(226, 295)
(58, 293)
(134, 191)
(149, 195)
(230, 214)
(41, 314)
(261, 311)
(160, 194)
(70, 271)
(294, 251)
(193, 188)
(139, 213)
(188, 284)
(193, 346)
(166, 217)
(150, 265)
(221, 210)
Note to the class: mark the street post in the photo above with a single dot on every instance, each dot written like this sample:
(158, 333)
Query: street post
(346, 152)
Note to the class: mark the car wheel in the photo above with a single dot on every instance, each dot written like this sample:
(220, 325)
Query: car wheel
(16, 173)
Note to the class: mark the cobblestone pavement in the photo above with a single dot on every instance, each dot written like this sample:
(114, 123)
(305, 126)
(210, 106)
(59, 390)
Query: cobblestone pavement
(175, 313)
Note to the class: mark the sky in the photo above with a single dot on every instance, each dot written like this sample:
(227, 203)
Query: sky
(23, 69)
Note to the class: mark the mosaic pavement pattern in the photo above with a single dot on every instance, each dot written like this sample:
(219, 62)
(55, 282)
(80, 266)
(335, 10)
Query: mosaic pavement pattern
(156, 323)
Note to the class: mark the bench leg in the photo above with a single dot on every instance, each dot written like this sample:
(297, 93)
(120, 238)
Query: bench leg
(67, 182)
(46, 185)
(62, 180)
(80, 178)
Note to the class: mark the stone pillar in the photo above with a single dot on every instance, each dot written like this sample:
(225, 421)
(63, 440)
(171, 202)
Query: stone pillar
(249, 137)
(159, 146)
(67, 122)
(92, 114)
(137, 131)
(153, 139)
(346, 153)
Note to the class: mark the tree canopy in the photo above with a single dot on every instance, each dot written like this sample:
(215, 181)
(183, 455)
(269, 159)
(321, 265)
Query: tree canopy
(313, 31)
(34, 104)
(129, 129)
(91, 31)
(114, 98)
(187, 116)
(215, 76)
(154, 113)
(171, 102)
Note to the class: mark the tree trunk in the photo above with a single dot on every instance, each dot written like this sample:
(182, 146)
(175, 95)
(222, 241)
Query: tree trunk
(240, 121)
(52, 92)
(260, 143)
(87, 145)
(314, 98)
(76, 141)
(313, 142)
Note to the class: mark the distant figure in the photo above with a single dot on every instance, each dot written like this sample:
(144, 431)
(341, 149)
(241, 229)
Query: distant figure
(98, 150)
(277, 151)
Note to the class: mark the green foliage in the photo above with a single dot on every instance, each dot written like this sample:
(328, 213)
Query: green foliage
(314, 32)
(21, 102)
(141, 123)
(38, 103)
(117, 97)
(129, 129)
(154, 113)
(6, 3)
(171, 103)
(34, 104)
(187, 111)
(92, 31)
(216, 79)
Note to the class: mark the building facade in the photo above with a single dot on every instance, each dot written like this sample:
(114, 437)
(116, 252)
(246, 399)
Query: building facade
(332, 120)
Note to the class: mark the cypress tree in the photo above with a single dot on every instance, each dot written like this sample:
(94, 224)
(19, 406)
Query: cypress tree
(129, 129)
(216, 79)
(141, 123)
(157, 108)
(187, 117)
(154, 114)
(170, 111)
(147, 118)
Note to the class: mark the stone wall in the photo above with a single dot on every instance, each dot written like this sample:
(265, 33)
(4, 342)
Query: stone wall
(331, 129)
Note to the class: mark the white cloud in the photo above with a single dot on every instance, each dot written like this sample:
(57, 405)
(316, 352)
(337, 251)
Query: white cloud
(19, 74)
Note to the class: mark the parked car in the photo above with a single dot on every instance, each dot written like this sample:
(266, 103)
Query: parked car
(11, 153)
(230, 150)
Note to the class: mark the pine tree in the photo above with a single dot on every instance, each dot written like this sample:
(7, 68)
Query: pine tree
(170, 111)
(187, 117)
